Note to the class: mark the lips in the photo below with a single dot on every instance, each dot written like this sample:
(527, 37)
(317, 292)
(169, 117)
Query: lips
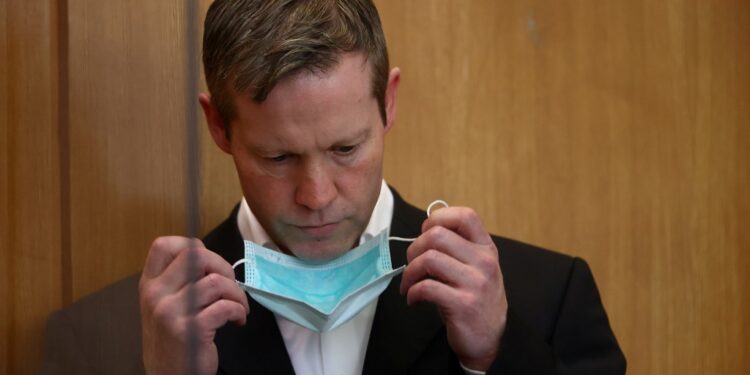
(324, 230)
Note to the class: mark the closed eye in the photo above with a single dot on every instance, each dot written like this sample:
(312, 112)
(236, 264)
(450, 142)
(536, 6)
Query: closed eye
(344, 150)
(279, 159)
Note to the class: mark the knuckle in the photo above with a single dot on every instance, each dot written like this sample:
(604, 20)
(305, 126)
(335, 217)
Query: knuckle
(431, 258)
(199, 260)
(163, 311)
(421, 291)
(211, 287)
(469, 215)
(197, 243)
(237, 309)
(410, 276)
(213, 281)
(227, 269)
(223, 308)
(157, 243)
(407, 271)
(150, 294)
(160, 243)
(469, 300)
(438, 234)
(469, 212)
(427, 286)
(416, 291)
(487, 263)
(410, 253)
(482, 283)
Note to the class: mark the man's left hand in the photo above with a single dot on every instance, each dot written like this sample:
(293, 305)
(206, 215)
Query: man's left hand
(454, 264)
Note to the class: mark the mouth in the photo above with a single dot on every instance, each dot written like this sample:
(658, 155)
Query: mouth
(319, 231)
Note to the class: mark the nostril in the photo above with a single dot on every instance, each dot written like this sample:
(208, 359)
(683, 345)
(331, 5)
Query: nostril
(316, 196)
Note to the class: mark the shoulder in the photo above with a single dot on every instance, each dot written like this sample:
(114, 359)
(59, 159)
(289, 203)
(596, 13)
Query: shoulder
(555, 312)
(100, 332)
(538, 280)
(111, 311)
(225, 239)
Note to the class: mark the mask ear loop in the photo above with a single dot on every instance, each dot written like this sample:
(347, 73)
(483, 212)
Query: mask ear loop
(429, 211)
(392, 238)
(238, 263)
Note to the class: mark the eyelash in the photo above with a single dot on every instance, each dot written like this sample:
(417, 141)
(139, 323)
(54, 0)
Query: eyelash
(340, 150)
(279, 159)
(345, 150)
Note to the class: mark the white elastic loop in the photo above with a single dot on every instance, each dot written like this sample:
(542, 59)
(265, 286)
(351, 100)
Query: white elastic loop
(237, 263)
(429, 211)
(429, 208)
(404, 239)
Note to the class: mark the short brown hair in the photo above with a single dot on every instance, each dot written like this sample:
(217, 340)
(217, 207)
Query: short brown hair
(250, 45)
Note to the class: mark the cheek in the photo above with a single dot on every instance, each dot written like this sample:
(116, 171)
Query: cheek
(264, 193)
(361, 181)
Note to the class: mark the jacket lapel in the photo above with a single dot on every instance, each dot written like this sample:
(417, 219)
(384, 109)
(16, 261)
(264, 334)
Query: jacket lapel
(400, 333)
(256, 347)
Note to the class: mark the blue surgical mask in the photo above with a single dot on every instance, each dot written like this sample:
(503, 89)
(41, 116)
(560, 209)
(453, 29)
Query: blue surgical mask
(320, 295)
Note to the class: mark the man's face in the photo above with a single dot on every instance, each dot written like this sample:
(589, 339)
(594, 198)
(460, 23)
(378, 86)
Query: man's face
(309, 158)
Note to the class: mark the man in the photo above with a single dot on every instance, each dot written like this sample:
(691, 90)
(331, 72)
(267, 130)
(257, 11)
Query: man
(301, 97)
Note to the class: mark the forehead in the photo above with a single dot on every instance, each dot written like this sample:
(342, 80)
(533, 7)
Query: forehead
(334, 101)
(350, 76)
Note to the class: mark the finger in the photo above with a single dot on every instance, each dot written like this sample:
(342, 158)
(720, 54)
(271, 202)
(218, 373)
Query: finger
(211, 288)
(163, 251)
(438, 265)
(462, 220)
(433, 291)
(444, 240)
(199, 260)
(219, 313)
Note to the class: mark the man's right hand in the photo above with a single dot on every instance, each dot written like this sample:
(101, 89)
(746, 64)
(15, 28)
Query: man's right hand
(165, 313)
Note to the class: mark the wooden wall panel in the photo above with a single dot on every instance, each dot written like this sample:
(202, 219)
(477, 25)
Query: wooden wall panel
(127, 115)
(31, 272)
(126, 134)
(615, 131)
(220, 188)
(5, 254)
(5, 311)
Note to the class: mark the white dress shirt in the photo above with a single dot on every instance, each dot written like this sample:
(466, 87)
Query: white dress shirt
(342, 350)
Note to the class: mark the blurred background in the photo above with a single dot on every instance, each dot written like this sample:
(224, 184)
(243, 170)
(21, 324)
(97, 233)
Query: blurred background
(617, 131)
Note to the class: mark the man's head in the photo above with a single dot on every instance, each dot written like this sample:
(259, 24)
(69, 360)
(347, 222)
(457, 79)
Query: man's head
(251, 45)
(304, 87)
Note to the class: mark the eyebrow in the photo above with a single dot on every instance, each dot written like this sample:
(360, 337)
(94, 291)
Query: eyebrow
(355, 138)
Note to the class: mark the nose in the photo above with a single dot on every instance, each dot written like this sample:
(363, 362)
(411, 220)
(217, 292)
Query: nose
(316, 188)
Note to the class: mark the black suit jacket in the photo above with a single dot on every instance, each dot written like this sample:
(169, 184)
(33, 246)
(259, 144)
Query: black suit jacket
(556, 323)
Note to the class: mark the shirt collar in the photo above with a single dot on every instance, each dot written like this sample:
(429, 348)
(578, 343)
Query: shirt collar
(380, 220)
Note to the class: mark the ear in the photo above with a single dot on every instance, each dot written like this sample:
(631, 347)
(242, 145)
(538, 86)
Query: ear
(394, 78)
(216, 125)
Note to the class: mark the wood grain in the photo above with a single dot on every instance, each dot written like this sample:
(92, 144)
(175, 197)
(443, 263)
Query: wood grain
(220, 189)
(31, 259)
(616, 131)
(5, 311)
(126, 134)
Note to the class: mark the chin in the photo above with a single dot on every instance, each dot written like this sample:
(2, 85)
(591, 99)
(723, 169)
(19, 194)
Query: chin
(320, 251)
